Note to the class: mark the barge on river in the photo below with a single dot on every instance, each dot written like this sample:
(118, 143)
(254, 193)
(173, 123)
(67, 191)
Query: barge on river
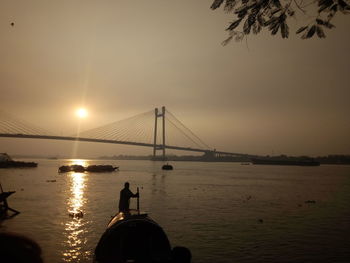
(285, 161)
(7, 162)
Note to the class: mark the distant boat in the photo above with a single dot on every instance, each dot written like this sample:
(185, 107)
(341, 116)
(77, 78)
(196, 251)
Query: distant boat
(91, 168)
(7, 162)
(167, 167)
(101, 168)
(285, 161)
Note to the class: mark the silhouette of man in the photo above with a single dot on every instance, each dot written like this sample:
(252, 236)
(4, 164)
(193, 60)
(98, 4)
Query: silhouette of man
(125, 195)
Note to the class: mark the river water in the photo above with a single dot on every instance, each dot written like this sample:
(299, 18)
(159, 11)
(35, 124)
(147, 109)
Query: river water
(223, 212)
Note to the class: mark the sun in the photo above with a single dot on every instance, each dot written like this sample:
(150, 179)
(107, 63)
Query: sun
(81, 113)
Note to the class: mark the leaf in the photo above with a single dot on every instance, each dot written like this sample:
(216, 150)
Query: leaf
(242, 14)
(290, 12)
(320, 32)
(229, 6)
(284, 30)
(304, 36)
(282, 17)
(241, 8)
(256, 28)
(275, 29)
(301, 29)
(311, 32)
(324, 4)
(342, 5)
(271, 22)
(239, 37)
(234, 24)
(334, 8)
(264, 3)
(275, 11)
(322, 8)
(246, 27)
(327, 3)
(319, 21)
(226, 41)
(328, 24)
(251, 19)
(216, 4)
(277, 3)
(261, 20)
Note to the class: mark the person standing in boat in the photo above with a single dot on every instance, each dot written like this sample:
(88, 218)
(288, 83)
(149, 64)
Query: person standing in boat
(125, 195)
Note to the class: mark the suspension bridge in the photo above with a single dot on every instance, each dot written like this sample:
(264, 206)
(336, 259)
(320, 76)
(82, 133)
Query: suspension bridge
(157, 129)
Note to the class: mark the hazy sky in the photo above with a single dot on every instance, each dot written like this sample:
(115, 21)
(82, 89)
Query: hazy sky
(121, 58)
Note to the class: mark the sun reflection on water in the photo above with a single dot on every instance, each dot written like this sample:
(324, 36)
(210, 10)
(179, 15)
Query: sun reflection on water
(75, 226)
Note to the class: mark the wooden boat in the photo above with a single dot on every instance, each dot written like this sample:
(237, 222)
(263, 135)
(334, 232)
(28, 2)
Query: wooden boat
(167, 167)
(133, 237)
(7, 162)
(91, 168)
(4, 207)
(101, 168)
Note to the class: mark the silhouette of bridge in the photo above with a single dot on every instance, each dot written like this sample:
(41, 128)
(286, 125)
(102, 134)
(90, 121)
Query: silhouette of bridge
(144, 129)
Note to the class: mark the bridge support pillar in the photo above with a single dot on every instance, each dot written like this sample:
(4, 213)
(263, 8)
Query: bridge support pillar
(155, 145)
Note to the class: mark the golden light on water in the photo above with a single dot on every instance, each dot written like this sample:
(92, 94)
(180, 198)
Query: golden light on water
(74, 227)
(79, 162)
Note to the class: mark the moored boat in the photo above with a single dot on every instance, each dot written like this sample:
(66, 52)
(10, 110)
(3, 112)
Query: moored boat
(133, 237)
(7, 162)
(167, 167)
(101, 168)
(91, 168)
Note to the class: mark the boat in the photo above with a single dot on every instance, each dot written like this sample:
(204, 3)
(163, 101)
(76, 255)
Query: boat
(132, 236)
(7, 162)
(4, 207)
(167, 167)
(101, 168)
(285, 161)
(91, 168)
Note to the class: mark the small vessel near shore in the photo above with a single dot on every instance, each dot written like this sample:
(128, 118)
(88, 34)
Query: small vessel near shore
(4, 207)
(91, 168)
(132, 236)
(7, 162)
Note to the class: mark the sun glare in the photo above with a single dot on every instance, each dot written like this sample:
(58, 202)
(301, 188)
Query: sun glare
(81, 113)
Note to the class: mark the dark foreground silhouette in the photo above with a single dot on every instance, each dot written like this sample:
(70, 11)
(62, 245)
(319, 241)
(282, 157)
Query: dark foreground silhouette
(16, 248)
(135, 237)
(132, 236)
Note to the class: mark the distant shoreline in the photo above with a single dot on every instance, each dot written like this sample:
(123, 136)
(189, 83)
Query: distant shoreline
(329, 159)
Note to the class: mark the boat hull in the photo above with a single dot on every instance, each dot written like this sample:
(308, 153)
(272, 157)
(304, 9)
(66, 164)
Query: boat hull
(133, 237)
(17, 164)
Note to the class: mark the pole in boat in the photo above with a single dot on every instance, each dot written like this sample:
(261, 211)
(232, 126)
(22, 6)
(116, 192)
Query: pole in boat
(138, 201)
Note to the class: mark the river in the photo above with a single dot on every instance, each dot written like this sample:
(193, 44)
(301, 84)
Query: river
(223, 212)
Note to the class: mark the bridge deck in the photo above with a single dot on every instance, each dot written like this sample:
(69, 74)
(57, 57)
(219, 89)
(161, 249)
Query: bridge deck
(159, 146)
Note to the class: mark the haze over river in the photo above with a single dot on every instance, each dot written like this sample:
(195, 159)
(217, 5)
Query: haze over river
(223, 212)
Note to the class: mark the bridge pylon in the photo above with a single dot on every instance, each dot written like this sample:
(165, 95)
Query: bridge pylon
(156, 147)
